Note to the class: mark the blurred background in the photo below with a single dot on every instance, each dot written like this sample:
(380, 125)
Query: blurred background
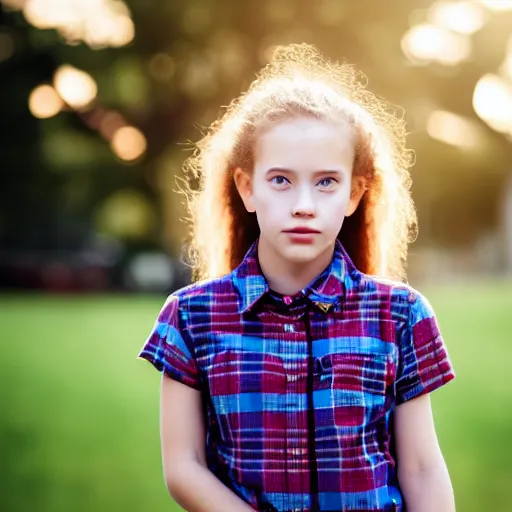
(99, 103)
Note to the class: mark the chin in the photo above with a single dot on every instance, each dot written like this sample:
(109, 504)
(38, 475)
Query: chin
(301, 253)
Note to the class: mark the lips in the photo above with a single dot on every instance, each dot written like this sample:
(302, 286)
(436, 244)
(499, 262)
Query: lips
(302, 230)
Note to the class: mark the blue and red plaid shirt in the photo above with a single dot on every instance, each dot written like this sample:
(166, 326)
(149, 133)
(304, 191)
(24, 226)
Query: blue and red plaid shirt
(299, 392)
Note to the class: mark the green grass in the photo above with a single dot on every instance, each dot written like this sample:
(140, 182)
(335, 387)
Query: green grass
(79, 416)
(80, 412)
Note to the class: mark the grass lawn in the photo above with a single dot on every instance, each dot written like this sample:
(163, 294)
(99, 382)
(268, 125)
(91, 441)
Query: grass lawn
(79, 417)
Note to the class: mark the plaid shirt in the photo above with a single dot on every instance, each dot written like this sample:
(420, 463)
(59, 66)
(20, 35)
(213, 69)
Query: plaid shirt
(299, 391)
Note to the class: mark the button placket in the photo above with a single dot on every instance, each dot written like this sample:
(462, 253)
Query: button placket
(295, 371)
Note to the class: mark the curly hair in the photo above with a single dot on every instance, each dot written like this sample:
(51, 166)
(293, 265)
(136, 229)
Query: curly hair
(298, 81)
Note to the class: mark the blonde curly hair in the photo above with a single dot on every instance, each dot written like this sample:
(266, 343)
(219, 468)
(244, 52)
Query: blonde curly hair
(300, 82)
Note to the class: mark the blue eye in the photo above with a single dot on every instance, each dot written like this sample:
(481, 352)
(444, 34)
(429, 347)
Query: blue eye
(279, 180)
(326, 182)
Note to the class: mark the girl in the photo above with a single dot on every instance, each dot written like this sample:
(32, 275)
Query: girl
(294, 378)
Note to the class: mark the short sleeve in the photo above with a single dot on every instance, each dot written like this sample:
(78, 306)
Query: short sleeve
(166, 348)
(424, 364)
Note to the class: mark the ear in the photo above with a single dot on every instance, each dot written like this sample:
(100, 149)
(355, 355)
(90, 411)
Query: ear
(357, 191)
(243, 183)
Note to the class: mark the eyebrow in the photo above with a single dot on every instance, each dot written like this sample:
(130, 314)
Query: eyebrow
(291, 171)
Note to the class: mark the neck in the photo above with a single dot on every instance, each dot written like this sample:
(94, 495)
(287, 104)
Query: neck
(288, 278)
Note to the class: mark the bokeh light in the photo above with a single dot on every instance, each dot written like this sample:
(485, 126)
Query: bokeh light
(506, 66)
(147, 271)
(464, 17)
(77, 88)
(199, 79)
(126, 214)
(196, 17)
(454, 129)
(426, 43)
(111, 29)
(44, 102)
(162, 66)
(99, 23)
(128, 143)
(43, 14)
(497, 5)
(492, 101)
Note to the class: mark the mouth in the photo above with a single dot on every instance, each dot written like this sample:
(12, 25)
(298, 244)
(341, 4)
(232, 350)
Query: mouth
(302, 231)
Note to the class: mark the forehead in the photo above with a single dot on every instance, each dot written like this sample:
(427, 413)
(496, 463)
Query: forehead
(306, 143)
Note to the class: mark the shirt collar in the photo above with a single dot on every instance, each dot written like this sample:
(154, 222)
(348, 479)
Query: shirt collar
(325, 290)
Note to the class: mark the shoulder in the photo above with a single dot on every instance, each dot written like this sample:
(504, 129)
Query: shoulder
(203, 296)
(387, 287)
(206, 288)
(405, 299)
(201, 306)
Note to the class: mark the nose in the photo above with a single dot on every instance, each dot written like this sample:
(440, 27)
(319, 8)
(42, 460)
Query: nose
(304, 205)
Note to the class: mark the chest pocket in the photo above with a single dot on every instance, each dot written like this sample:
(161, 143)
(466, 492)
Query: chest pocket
(355, 385)
(243, 384)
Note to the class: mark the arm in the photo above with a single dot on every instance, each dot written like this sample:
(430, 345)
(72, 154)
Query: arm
(422, 472)
(190, 483)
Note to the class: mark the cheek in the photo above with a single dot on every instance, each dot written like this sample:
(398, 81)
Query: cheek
(264, 198)
(337, 203)
(264, 204)
(334, 210)
(270, 212)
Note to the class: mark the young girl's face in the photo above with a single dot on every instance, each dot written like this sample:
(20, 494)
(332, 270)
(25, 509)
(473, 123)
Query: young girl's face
(302, 186)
